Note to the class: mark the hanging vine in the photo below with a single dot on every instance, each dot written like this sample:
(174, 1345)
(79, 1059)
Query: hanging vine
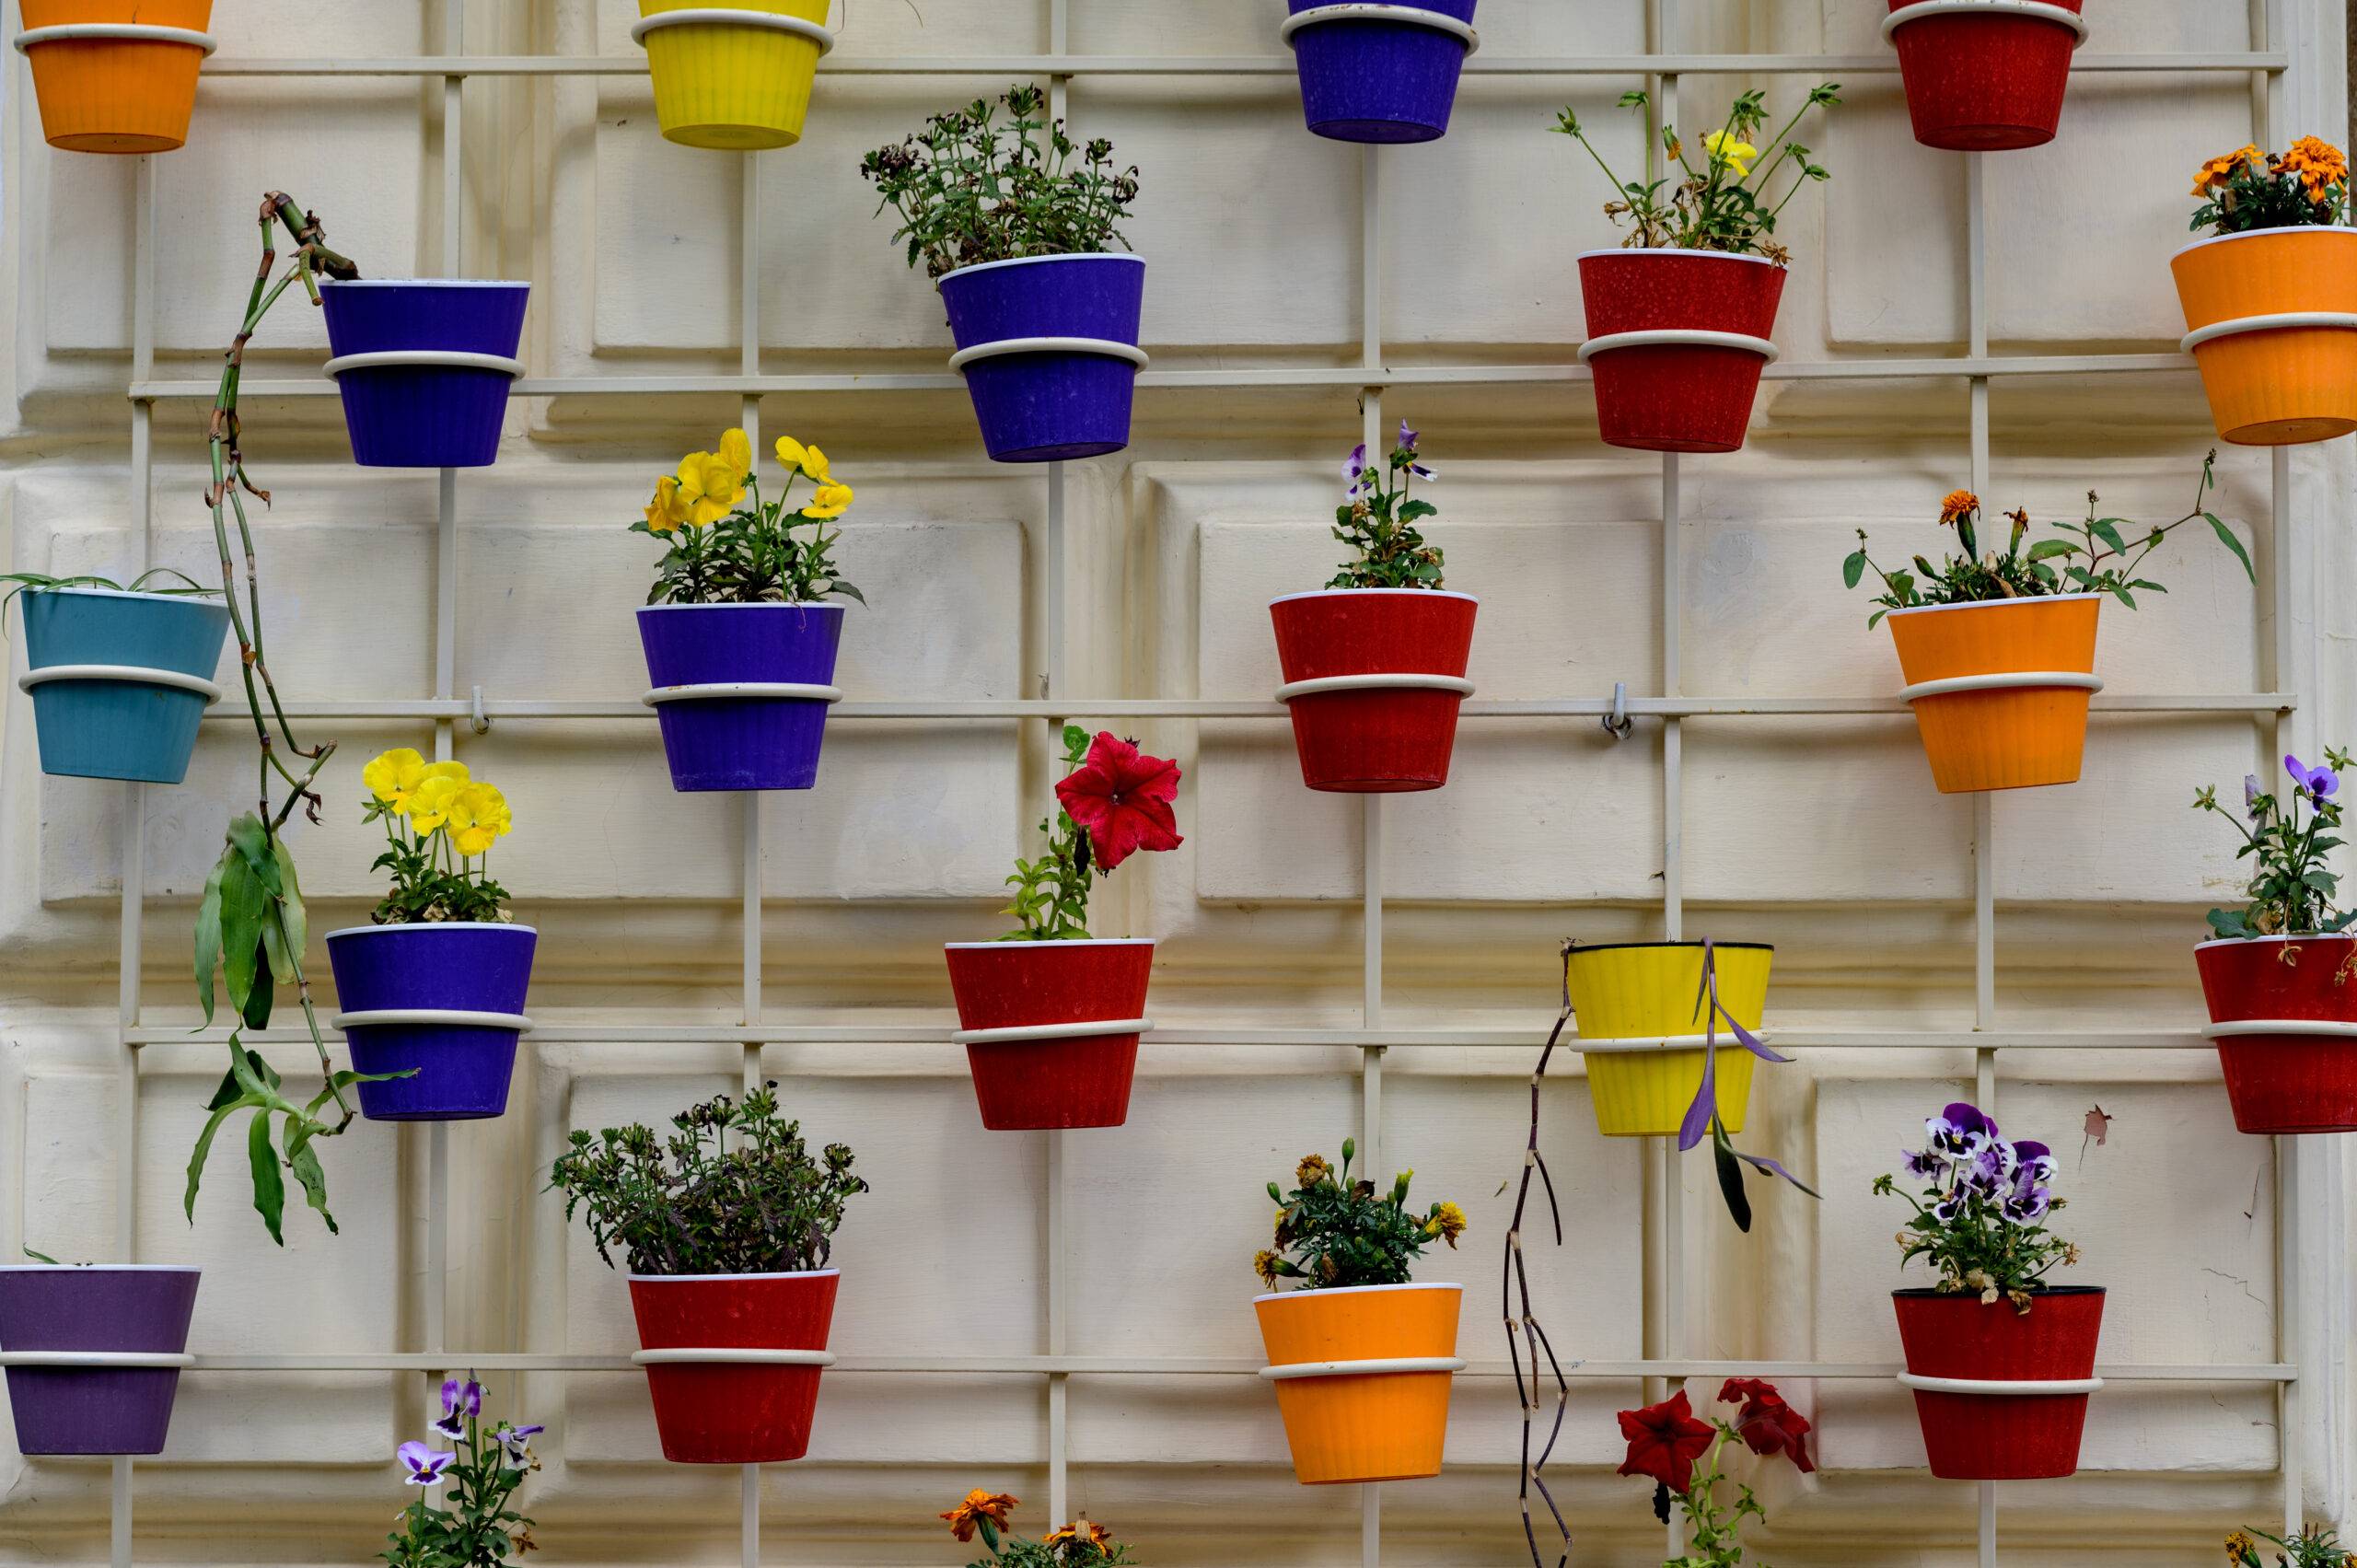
(250, 925)
(1523, 1336)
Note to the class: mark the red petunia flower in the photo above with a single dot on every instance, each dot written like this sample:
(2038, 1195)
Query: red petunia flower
(1665, 1440)
(1767, 1425)
(1121, 797)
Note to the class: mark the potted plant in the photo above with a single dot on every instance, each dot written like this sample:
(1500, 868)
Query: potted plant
(1998, 650)
(1019, 238)
(94, 1353)
(484, 1470)
(1678, 319)
(2000, 1362)
(115, 75)
(2281, 975)
(432, 989)
(1363, 1359)
(2317, 1546)
(1049, 1016)
(1375, 661)
(739, 641)
(1081, 1544)
(423, 366)
(1984, 76)
(2270, 294)
(1686, 1460)
(1379, 73)
(734, 75)
(727, 1247)
(119, 676)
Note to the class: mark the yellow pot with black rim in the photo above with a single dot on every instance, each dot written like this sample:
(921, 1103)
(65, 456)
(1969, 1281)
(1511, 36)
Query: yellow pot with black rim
(734, 75)
(1644, 1017)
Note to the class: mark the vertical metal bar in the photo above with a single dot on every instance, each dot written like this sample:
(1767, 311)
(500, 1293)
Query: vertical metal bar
(118, 1514)
(1372, 805)
(748, 418)
(2291, 1447)
(1987, 1509)
(748, 1491)
(1052, 637)
(1671, 1237)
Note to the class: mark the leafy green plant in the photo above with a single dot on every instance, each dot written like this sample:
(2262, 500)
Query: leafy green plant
(2303, 186)
(2292, 888)
(1080, 1544)
(2091, 556)
(2316, 1546)
(971, 188)
(1378, 520)
(1341, 1234)
(1115, 802)
(724, 551)
(40, 582)
(733, 1190)
(1981, 1221)
(1724, 205)
(483, 1469)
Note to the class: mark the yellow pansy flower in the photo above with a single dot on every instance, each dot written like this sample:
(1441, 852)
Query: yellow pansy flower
(736, 451)
(814, 463)
(832, 500)
(668, 510)
(1727, 149)
(710, 486)
(429, 805)
(478, 814)
(394, 775)
(790, 452)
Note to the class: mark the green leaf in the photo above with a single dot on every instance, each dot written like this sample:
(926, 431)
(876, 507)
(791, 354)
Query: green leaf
(203, 1150)
(208, 936)
(1853, 569)
(304, 1161)
(2107, 530)
(2047, 549)
(2227, 536)
(243, 902)
(264, 991)
(252, 842)
(269, 1183)
(293, 916)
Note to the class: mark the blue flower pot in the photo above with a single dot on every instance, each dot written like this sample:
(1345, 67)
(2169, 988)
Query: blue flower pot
(462, 1068)
(715, 740)
(1049, 405)
(124, 726)
(422, 414)
(1378, 78)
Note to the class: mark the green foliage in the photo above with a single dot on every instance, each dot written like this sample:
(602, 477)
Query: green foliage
(1080, 1544)
(1714, 1530)
(2303, 187)
(1342, 1233)
(2090, 556)
(1724, 205)
(2292, 889)
(733, 1190)
(1379, 521)
(41, 582)
(1052, 892)
(2316, 1546)
(971, 188)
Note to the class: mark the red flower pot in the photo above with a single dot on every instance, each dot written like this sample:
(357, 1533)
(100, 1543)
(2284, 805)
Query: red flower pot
(1019, 1004)
(1356, 736)
(1676, 340)
(1984, 76)
(734, 1413)
(2295, 1080)
(1993, 1435)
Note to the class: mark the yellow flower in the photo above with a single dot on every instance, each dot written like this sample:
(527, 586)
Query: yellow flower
(394, 775)
(737, 451)
(813, 464)
(478, 814)
(1735, 154)
(1447, 1223)
(2219, 170)
(710, 487)
(1264, 1264)
(668, 510)
(791, 453)
(429, 804)
(832, 500)
(2239, 1547)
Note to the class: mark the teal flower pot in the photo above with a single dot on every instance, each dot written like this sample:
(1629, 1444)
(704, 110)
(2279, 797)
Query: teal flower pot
(120, 681)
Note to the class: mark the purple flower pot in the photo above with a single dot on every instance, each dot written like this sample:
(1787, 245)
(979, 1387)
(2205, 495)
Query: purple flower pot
(1380, 78)
(715, 735)
(421, 410)
(104, 1309)
(1049, 405)
(444, 967)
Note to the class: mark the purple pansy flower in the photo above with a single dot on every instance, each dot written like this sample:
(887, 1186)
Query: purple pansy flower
(1354, 469)
(515, 1452)
(459, 1401)
(2250, 796)
(424, 1465)
(2037, 1161)
(1923, 1164)
(2317, 783)
(1408, 438)
(1960, 1130)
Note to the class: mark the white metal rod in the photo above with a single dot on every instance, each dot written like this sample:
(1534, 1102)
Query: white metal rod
(1053, 610)
(437, 1235)
(749, 1489)
(1988, 1530)
(119, 1513)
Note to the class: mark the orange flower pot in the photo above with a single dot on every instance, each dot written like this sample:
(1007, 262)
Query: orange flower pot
(1387, 1422)
(2272, 318)
(1974, 671)
(128, 93)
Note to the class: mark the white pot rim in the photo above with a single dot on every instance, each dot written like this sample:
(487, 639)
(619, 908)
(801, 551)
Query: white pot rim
(2255, 941)
(2263, 234)
(435, 925)
(1066, 941)
(1675, 250)
(424, 283)
(1338, 593)
(145, 593)
(1348, 1290)
(1994, 604)
(972, 268)
(100, 1268)
(839, 608)
(701, 1279)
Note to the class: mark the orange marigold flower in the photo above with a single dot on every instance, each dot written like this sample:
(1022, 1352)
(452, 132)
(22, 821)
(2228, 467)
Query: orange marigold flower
(2318, 164)
(1081, 1532)
(1265, 1265)
(978, 1505)
(1958, 505)
(2218, 171)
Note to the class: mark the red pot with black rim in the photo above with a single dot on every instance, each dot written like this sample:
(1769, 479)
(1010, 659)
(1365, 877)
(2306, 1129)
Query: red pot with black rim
(2299, 1075)
(1984, 76)
(1374, 679)
(1676, 341)
(756, 1408)
(2002, 1393)
(1024, 1011)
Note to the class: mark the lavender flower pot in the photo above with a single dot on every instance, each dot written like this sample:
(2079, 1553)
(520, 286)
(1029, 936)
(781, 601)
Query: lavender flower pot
(741, 691)
(1049, 348)
(1387, 74)
(445, 998)
(105, 1310)
(425, 365)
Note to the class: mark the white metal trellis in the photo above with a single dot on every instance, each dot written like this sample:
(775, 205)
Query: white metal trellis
(1669, 1332)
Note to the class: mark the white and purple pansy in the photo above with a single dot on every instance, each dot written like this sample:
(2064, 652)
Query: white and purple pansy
(515, 1446)
(1960, 1132)
(461, 1401)
(1355, 473)
(422, 1466)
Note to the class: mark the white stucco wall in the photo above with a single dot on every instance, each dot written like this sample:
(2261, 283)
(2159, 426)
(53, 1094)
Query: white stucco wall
(1822, 836)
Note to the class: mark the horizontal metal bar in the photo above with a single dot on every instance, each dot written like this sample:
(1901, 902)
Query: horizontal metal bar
(1218, 708)
(1214, 1367)
(1881, 64)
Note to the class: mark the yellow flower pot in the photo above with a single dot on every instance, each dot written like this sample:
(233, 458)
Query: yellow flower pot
(735, 75)
(1642, 993)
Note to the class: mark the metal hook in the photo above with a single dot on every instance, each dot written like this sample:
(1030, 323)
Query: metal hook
(1617, 723)
(482, 720)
